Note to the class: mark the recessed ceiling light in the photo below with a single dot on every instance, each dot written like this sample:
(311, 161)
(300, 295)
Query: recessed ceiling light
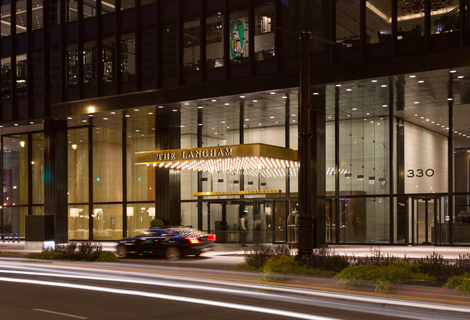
(160, 107)
(105, 118)
(247, 119)
(223, 121)
(449, 99)
(384, 86)
(127, 116)
(293, 114)
(412, 76)
(421, 81)
(348, 89)
(338, 85)
(416, 115)
(174, 110)
(460, 77)
(373, 80)
(354, 109)
(182, 126)
(453, 71)
(272, 93)
(242, 97)
(271, 117)
(83, 120)
(186, 103)
(315, 93)
(349, 115)
(384, 105)
(213, 100)
(227, 104)
(255, 100)
(150, 112)
(367, 113)
(416, 102)
(112, 112)
(69, 118)
(284, 97)
(136, 110)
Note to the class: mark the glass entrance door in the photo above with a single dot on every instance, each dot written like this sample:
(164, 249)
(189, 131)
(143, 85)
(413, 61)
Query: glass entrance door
(423, 219)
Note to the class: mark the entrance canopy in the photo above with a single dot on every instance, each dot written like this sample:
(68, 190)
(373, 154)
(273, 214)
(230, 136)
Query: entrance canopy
(255, 156)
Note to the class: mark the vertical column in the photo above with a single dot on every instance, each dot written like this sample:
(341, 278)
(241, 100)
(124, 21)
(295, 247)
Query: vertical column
(55, 176)
(287, 142)
(80, 48)
(90, 179)
(30, 173)
(63, 56)
(99, 49)
(168, 190)
(138, 46)
(462, 20)
(117, 47)
(427, 24)
(400, 174)
(337, 185)
(450, 159)
(226, 31)
(251, 36)
(199, 173)
(179, 43)
(202, 41)
(124, 176)
(362, 27)
(14, 41)
(317, 166)
(29, 58)
(159, 48)
(394, 26)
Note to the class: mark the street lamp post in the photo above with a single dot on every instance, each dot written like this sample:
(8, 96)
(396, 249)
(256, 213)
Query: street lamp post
(305, 233)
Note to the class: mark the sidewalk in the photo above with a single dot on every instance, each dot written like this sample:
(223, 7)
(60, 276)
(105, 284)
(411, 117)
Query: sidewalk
(234, 249)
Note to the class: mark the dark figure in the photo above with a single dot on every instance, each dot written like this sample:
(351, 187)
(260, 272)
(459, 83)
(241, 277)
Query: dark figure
(242, 228)
(257, 230)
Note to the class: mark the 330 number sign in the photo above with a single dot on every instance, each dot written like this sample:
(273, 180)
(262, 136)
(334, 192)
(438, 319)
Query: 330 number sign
(419, 173)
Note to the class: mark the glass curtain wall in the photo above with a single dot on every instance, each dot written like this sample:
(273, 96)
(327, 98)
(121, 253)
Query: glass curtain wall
(239, 35)
(21, 21)
(214, 40)
(379, 20)
(348, 32)
(6, 77)
(191, 44)
(264, 32)
(21, 75)
(410, 19)
(6, 18)
(128, 57)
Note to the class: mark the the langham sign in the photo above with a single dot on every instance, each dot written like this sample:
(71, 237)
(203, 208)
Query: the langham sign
(220, 152)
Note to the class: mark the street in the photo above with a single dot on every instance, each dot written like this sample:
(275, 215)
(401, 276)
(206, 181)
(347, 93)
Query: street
(65, 290)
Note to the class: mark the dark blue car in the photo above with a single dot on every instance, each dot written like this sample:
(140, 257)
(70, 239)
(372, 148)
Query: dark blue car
(172, 242)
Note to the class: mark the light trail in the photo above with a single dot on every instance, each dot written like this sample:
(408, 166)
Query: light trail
(314, 293)
(228, 305)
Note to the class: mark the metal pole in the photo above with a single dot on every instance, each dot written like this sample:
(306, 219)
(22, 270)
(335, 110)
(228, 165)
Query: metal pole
(305, 214)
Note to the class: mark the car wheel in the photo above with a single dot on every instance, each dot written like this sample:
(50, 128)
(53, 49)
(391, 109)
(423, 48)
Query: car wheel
(172, 254)
(121, 252)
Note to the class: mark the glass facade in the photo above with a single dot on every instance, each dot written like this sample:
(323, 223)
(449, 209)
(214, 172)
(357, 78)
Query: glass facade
(389, 174)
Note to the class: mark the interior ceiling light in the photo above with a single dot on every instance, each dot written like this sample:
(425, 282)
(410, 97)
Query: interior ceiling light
(412, 76)
(460, 77)
(348, 89)
(453, 71)
(421, 81)
(266, 166)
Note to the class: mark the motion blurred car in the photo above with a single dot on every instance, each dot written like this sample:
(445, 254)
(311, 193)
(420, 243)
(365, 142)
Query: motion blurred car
(173, 242)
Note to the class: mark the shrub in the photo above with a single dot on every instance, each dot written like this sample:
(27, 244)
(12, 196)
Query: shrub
(107, 256)
(383, 277)
(283, 264)
(156, 223)
(244, 267)
(86, 251)
(257, 256)
(460, 284)
(326, 259)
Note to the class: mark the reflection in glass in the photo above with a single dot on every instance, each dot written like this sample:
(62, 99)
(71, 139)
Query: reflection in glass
(126, 4)
(21, 21)
(139, 216)
(89, 64)
(264, 33)
(77, 169)
(72, 10)
(128, 57)
(72, 66)
(191, 44)
(140, 178)
(107, 221)
(78, 222)
(410, 19)
(6, 17)
(37, 167)
(280, 219)
(108, 60)
(348, 24)
(13, 220)
(15, 170)
(6, 78)
(21, 75)
(107, 155)
(379, 20)
(214, 40)
(89, 8)
(107, 6)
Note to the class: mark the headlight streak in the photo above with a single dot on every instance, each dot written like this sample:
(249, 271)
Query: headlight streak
(311, 292)
(175, 298)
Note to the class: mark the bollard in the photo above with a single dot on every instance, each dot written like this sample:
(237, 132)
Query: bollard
(3, 238)
(18, 237)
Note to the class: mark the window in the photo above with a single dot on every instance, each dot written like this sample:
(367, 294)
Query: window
(21, 16)
(21, 75)
(379, 21)
(6, 18)
(6, 78)
(348, 23)
(264, 33)
(72, 66)
(191, 44)
(72, 10)
(169, 48)
(128, 57)
(215, 40)
(239, 50)
(108, 60)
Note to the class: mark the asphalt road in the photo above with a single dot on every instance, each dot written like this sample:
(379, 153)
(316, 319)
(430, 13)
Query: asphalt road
(130, 291)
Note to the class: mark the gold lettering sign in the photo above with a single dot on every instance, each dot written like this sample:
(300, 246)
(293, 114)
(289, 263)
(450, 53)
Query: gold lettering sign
(220, 152)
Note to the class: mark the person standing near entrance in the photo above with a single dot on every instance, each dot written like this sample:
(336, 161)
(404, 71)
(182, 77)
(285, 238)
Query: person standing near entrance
(242, 227)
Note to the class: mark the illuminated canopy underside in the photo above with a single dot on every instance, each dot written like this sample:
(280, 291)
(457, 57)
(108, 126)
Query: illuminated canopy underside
(256, 157)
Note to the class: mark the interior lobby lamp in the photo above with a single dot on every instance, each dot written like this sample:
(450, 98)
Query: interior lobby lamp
(22, 144)
(74, 146)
